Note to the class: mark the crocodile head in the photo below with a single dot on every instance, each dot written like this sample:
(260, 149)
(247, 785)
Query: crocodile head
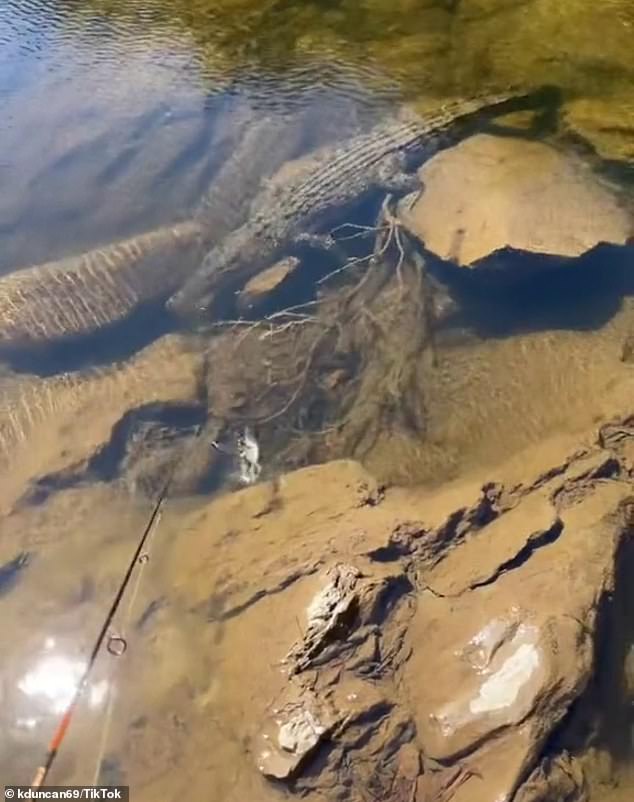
(224, 270)
(197, 295)
(190, 303)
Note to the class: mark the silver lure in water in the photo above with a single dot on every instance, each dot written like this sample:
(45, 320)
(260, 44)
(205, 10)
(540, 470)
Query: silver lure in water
(249, 457)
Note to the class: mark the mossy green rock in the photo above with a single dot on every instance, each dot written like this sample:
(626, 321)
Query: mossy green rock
(605, 123)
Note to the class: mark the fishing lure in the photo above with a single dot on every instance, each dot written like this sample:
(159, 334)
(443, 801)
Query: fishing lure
(247, 452)
(249, 457)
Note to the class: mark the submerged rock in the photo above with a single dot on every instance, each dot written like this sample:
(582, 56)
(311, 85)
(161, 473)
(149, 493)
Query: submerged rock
(292, 734)
(260, 287)
(490, 193)
(605, 122)
(503, 663)
(329, 613)
(56, 424)
(557, 779)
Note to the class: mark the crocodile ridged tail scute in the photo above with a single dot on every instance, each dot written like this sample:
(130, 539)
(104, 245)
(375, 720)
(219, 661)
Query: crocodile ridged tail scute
(292, 202)
(80, 294)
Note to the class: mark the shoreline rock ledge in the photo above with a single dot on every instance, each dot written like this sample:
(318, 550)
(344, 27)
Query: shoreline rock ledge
(478, 652)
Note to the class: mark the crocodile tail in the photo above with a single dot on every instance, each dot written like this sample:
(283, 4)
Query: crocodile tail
(508, 100)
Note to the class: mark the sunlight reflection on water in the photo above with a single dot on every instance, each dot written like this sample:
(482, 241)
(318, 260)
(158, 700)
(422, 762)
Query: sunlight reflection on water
(52, 681)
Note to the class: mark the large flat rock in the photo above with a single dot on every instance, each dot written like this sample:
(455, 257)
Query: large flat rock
(498, 667)
(491, 193)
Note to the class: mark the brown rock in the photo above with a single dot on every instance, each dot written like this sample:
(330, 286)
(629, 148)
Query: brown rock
(250, 545)
(292, 734)
(48, 424)
(329, 612)
(490, 193)
(558, 779)
(490, 550)
(265, 283)
(410, 695)
(501, 665)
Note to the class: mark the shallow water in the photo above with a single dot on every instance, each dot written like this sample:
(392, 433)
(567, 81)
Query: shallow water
(116, 118)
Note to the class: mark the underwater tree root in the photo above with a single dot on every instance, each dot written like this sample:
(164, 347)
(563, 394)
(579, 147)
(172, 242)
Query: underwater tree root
(332, 376)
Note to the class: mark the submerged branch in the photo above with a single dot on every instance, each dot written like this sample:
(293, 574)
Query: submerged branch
(333, 376)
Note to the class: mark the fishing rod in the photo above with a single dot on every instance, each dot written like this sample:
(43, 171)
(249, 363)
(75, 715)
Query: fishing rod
(139, 557)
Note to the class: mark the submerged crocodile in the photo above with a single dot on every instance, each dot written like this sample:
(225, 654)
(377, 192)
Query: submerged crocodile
(297, 203)
(81, 294)
(78, 295)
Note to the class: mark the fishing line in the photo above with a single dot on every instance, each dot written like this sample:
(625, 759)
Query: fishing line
(138, 557)
(105, 730)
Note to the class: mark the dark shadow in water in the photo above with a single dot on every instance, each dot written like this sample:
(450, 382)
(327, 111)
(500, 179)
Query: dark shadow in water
(545, 121)
(523, 292)
(620, 172)
(517, 292)
(179, 419)
(172, 422)
(603, 715)
(11, 571)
